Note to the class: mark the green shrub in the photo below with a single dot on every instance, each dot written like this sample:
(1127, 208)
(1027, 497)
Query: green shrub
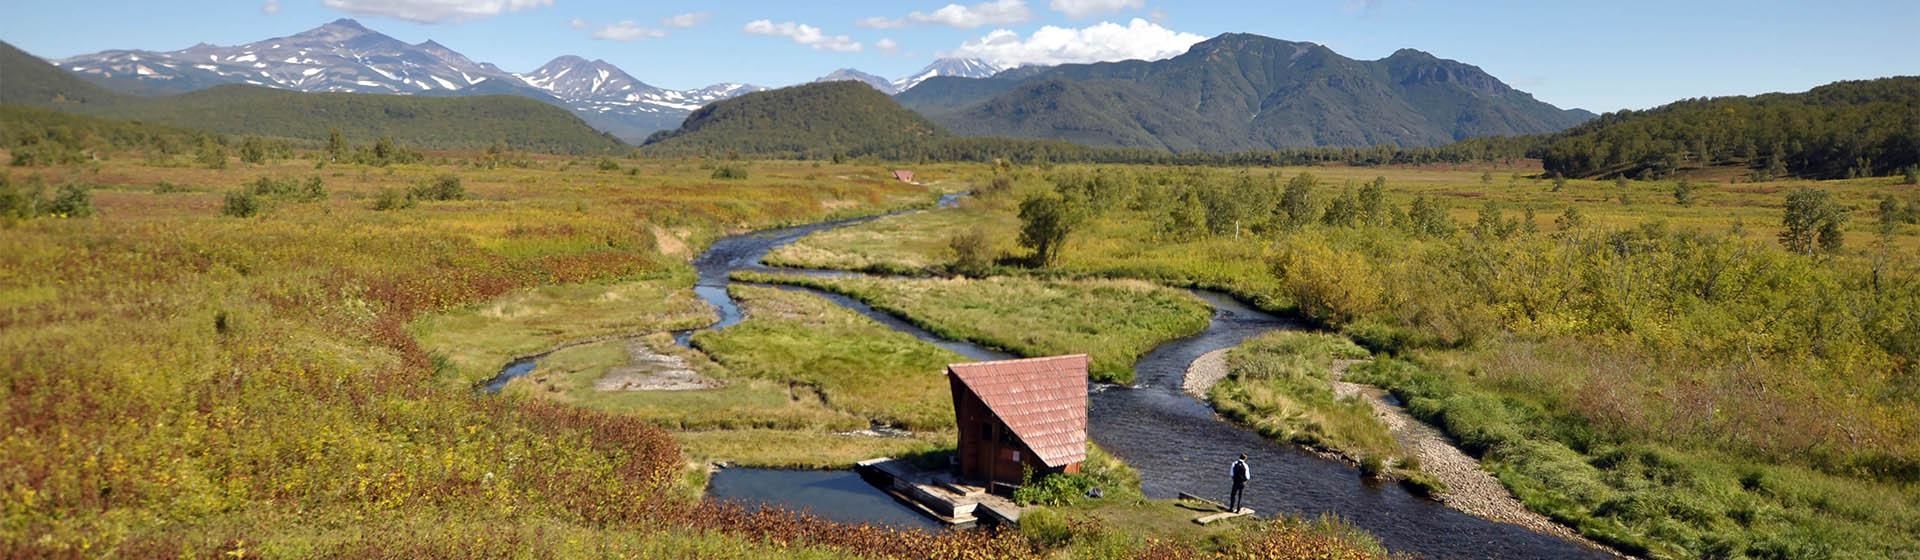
(29, 199)
(212, 155)
(445, 187)
(730, 172)
(1372, 466)
(241, 204)
(1057, 489)
(392, 199)
(607, 164)
(1046, 528)
(72, 201)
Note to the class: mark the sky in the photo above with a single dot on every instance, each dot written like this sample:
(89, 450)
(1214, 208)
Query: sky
(1600, 56)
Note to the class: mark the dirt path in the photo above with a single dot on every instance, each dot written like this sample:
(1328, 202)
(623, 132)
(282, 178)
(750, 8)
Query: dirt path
(1470, 488)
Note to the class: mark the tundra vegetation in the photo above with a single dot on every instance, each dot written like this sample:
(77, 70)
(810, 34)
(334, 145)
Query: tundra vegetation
(180, 381)
(1733, 373)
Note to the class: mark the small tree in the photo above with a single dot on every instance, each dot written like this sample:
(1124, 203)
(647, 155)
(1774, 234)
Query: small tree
(1491, 224)
(1045, 222)
(253, 151)
(1559, 182)
(970, 252)
(212, 155)
(1890, 216)
(1812, 222)
(1344, 211)
(1296, 202)
(241, 204)
(336, 145)
(1486, 177)
(1570, 220)
(1683, 193)
(1428, 218)
(1913, 175)
(1373, 202)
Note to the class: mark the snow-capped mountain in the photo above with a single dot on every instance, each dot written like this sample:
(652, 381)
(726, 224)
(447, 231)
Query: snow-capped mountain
(597, 85)
(340, 56)
(344, 56)
(955, 67)
(850, 75)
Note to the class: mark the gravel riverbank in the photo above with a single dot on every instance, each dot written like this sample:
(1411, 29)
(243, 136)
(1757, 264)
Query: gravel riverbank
(1470, 488)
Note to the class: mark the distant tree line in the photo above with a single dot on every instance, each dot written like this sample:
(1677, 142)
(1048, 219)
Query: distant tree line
(1841, 130)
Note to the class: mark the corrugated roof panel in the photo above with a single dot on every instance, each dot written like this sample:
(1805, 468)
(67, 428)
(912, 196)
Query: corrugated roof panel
(1043, 400)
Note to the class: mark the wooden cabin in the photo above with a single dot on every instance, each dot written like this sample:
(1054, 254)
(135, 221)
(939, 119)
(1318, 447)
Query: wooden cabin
(1016, 415)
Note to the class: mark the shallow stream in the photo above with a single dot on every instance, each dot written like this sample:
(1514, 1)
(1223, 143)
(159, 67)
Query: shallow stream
(1176, 442)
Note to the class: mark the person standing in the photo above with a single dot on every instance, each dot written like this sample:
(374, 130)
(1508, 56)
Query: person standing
(1241, 474)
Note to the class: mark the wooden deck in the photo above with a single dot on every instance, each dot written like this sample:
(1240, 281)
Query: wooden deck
(939, 494)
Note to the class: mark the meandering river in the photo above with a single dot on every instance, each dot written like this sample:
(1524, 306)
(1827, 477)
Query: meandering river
(1176, 442)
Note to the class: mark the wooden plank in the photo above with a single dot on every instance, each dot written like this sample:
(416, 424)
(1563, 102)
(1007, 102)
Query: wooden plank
(1216, 505)
(1222, 516)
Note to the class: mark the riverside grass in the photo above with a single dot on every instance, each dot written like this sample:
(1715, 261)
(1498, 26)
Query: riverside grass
(857, 365)
(1281, 384)
(1115, 322)
(1615, 322)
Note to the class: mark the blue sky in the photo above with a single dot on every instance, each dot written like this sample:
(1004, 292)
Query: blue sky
(1600, 56)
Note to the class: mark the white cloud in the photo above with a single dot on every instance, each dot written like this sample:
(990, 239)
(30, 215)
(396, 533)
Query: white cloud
(1106, 41)
(996, 12)
(1087, 8)
(578, 23)
(435, 11)
(684, 21)
(804, 34)
(881, 23)
(271, 7)
(627, 30)
(887, 45)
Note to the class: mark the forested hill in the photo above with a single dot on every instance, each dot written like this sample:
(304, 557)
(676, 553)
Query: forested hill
(1843, 129)
(813, 121)
(1240, 92)
(445, 123)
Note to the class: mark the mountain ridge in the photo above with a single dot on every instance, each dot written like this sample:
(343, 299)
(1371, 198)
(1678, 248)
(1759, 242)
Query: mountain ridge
(237, 109)
(345, 56)
(1239, 92)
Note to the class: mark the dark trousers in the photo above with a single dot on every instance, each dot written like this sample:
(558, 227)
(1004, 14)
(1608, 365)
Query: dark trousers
(1233, 499)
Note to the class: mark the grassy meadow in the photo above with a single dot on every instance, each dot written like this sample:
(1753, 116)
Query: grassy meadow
(1618, 358)
(184, 382)
(1114, 322)
(204, 363)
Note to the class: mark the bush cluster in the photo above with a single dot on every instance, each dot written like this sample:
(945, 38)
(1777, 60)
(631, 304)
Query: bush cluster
(29, 198)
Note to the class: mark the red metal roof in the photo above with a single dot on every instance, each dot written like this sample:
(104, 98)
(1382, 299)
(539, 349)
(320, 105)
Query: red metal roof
(1043, 400)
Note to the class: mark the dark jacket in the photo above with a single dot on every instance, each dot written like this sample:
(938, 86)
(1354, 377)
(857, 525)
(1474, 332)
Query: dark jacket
(1241, 473)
